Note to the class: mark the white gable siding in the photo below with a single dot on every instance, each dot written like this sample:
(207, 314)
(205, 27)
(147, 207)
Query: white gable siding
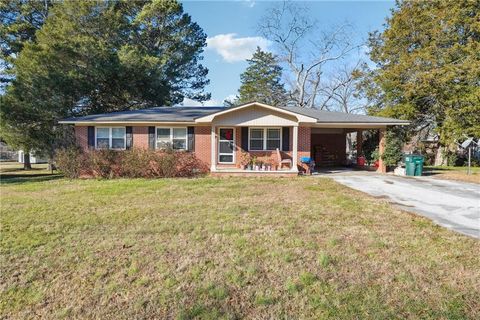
(255, 116)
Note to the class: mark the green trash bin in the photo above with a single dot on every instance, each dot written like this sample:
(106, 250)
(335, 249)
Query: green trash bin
(409, 165)
(413, 164)
(418, 159)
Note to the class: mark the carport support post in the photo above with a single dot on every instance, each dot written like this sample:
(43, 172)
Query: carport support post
(359, 142)
(382, 168)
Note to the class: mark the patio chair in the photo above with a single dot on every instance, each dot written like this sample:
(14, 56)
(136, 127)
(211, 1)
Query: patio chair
(281, 161)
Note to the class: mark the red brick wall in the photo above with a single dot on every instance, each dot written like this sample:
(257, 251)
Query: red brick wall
(81, 135)
(203, 144)
(140, 137)
(334, 143)
(304, 145)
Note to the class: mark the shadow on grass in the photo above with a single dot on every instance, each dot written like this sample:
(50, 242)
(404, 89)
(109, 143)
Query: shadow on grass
(439, 169)
(35, 177)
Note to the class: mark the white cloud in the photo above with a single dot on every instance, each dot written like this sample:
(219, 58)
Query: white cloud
(233, 49)
(192, 103)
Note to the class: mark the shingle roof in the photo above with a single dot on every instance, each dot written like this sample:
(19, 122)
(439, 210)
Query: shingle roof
(157, 114)
(189, 114)
(324, 116)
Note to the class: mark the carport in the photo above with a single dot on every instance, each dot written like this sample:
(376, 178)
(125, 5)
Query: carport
(329, 143)
(328, 135)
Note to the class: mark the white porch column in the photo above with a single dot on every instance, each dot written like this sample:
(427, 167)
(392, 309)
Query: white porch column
(213, 157)
(295, 149)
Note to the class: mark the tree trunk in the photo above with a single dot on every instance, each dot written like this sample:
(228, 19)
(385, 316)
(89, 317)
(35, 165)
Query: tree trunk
(51, 164)
(349, 143)
(439, 158)
(26, 161)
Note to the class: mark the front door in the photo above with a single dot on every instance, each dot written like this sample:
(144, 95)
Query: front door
(226, 145)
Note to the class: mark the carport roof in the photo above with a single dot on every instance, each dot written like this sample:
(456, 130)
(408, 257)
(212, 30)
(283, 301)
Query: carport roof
(324, 116)
(190, 114)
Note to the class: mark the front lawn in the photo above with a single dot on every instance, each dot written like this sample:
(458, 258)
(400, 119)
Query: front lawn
(454, 173)
(231, 248)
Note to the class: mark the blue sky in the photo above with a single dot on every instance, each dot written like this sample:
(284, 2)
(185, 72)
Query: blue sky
(232, 35)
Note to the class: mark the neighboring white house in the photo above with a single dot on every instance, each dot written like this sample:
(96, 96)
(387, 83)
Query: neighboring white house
(33, 159)
(7, 153)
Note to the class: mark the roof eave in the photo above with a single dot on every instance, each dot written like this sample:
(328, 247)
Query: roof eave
(358, 124)
(100, 122)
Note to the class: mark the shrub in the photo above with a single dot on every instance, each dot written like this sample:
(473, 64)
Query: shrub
(69, 162)
(369, 145)
(392, 154)
(136, 163)
(103, 163)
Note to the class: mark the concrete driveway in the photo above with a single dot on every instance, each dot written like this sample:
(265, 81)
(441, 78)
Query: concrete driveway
(452, 204)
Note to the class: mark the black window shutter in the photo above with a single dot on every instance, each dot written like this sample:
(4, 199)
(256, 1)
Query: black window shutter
(245, 138)
(286, 139)
(91, 137)
(191, 138)
(129, 137)
(151, 137)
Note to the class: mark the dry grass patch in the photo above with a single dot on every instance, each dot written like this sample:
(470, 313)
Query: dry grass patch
(455, 173)
(226, 248)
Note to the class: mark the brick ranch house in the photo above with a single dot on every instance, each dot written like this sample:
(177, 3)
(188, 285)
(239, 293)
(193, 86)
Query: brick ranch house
(221, 136)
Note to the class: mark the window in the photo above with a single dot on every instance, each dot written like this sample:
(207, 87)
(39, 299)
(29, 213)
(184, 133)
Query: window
(163, 138)
(256, 139)
(265, 139)
(273, 139)
(103, 138)
(226, 145)
(174, 137)
(111, 138)
(179, 138)
(118, 138)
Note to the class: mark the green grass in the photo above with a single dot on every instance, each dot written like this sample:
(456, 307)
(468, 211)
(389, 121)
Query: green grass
(231, 248)
(453, 168)
(453, 173)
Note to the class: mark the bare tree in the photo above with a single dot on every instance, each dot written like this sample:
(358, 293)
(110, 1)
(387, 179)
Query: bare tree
(342, 89)
(291, 29)
(343, 93)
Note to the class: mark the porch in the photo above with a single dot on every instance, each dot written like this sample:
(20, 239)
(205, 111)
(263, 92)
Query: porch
(255, 150)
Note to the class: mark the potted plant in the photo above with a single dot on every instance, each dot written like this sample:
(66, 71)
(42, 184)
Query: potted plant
(259, 165)
(268, 166)
(253, 163)
(245, 160)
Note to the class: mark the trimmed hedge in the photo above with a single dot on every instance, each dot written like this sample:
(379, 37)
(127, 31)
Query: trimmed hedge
(134, 163)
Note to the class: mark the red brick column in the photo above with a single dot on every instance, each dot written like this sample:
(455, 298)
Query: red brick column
(238, 147)
(140, 137)
(81, 137)
(382, 168)
(203, 144)
(304, 145)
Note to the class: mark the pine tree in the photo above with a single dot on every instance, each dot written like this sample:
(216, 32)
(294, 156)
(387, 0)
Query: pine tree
(101, 56)
(261, 81)
(428, 67)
